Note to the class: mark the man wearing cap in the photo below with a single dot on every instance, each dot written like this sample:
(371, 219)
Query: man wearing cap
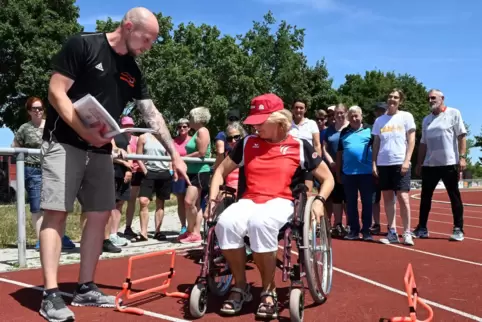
(270, 156)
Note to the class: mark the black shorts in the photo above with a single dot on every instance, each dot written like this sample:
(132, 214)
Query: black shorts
(308, 175)
(159, 183)
(390, 178)
(338, 194)
(122, 190)
(200, 180)
(137, 178)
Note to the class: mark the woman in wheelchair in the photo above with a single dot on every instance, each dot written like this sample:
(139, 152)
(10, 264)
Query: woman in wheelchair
(273, 163)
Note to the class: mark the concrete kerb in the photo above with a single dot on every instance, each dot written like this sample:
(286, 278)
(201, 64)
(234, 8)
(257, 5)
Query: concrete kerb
(171, 225)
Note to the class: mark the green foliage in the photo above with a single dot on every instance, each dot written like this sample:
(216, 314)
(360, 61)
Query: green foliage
(31, 31)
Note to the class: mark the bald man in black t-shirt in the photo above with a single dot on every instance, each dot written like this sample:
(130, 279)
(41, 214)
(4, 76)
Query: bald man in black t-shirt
(77, 161)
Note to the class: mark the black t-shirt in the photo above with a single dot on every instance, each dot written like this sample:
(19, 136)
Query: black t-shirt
(96, 69)
(121, 141)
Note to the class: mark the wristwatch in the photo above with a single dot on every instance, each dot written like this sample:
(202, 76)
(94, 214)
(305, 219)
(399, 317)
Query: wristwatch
(320, 198)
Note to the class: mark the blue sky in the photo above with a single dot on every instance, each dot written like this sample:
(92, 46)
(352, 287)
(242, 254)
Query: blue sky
(436, 41)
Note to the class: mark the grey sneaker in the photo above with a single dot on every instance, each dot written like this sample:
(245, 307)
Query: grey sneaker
(53, 309)
(94, 297)
(457, 235)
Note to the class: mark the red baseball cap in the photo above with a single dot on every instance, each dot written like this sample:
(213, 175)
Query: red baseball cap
(261, 108)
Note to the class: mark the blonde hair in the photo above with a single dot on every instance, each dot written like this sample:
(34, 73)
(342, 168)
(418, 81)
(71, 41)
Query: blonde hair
(200, 115)
(283, 117)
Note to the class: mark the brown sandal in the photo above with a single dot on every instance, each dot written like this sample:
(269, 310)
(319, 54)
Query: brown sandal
(268, 310)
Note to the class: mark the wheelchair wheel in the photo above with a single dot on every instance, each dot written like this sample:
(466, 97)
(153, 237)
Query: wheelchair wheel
(297, 305)
(219, 275)
(198, 300)
(317, 255)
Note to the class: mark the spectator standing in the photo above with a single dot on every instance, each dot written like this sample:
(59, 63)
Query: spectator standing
(394, 140)
(157, 180)
(336, 203)
(304, 128)
(199, 146)
(179, 186)
(354, 159)
(441, 156)
(29, 136)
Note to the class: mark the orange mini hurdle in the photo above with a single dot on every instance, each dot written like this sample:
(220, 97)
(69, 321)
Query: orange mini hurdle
(127, 285)
(413, 299)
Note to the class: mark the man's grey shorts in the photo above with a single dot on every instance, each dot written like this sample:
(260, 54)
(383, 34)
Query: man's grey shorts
(69, 173)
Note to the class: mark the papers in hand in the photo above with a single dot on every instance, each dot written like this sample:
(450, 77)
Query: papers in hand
(93, 114)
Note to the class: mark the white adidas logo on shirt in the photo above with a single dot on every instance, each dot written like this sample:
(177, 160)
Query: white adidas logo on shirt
(99, 67)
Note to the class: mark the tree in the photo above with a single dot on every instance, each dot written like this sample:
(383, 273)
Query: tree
(193, 66)
(31, 32)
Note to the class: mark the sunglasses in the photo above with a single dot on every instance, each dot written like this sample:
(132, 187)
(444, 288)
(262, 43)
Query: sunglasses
(233, 138)
(432, 98)
(233, 119)
(36, 108)
(320, 119)
(182, 127)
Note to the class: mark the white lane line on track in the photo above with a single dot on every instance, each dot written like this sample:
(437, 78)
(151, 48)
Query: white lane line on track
(417, 197)
(436, 255)
(148, 313)
(397, 291)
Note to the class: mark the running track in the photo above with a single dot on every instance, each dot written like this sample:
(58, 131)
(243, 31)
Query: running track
(367, 283)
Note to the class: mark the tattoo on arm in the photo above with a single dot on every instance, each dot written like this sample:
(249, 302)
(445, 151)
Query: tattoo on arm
(155, 121)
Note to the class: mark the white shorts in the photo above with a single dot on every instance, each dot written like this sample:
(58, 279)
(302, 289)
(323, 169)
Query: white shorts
(261, 222)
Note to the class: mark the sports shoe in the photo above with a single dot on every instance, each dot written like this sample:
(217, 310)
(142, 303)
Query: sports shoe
(392, 238)
(367, 236)
(53, 309)
(457, 235)
(109, 247)
(375, 229)
(407, 239)
(183, 235)
(420, 232)
(338, 231)
(129, 233)
(191, 238)
(352, 236)
(93, 297)
(67, 243)
(117, 240)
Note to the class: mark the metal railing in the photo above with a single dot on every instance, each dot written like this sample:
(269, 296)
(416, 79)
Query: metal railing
(21, 153)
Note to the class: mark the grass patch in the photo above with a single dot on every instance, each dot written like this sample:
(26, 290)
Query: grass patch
(8, 227)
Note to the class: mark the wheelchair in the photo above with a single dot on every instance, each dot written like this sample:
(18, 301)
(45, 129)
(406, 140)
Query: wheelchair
(313, 243)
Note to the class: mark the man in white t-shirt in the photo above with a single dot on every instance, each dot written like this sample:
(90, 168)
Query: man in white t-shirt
(394, 141)
(304, 128)
(441, 156)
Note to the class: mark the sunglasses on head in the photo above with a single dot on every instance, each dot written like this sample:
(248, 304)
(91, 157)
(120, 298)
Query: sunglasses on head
(233, 138)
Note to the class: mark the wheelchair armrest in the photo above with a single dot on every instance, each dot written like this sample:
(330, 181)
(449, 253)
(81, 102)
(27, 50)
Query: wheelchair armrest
(299, 189)
(227, 189)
